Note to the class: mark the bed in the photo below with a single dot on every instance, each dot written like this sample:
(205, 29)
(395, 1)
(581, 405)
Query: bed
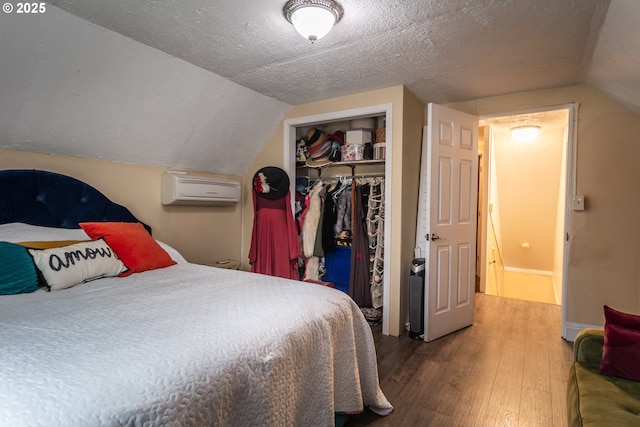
(184, 344)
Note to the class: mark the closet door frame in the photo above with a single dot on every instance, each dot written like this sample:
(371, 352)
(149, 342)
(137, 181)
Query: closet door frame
(289, 160)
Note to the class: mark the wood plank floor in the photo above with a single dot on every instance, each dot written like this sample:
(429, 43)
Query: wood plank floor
(509, 369)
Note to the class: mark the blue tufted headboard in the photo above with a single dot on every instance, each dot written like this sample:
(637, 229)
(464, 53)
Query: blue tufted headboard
(50, 199)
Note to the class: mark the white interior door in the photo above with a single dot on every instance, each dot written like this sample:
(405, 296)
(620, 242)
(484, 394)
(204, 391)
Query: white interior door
(451, 184)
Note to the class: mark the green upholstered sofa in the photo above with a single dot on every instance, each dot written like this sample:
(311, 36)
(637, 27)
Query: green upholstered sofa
(595, 400)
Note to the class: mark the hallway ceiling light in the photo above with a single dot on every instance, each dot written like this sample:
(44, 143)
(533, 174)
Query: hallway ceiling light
(313, 19)
(525, 133)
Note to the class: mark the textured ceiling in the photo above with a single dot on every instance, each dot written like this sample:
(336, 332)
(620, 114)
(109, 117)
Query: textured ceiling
(203, 84)
(442, 51)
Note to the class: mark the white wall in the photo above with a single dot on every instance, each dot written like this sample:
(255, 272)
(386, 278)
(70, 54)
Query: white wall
(494, 199)
(72, 88)
(527, 178)
(558, 257)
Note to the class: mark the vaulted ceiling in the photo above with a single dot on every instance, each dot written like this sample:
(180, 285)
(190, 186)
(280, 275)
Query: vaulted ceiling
(257, 66)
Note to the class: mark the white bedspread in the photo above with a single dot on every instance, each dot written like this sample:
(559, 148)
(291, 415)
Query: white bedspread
(216, 347)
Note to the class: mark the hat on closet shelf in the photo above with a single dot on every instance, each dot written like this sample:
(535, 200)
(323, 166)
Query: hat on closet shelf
(337, 136)
(271, 183)
(314, 139)
(316, 163)
(319, 150)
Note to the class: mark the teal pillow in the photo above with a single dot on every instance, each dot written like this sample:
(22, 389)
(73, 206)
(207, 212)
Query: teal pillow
(17, 271)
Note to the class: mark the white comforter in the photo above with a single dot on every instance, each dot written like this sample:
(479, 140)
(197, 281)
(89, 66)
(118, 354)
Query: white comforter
(213, 347)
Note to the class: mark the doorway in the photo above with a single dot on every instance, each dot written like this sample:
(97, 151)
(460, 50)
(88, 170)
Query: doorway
(523, 198)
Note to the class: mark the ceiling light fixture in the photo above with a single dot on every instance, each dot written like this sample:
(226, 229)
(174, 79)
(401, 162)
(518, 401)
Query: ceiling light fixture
(525, 133)
(313, 19)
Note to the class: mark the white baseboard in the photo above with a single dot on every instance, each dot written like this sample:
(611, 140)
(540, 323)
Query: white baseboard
(571, 329)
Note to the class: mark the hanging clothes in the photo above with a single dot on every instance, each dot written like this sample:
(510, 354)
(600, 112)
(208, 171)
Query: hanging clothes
(343, 215)
(309, 236)
(337, 250)
(346, 215)
(329, 218)
(359, 280)
(375, 232)
(275, 247)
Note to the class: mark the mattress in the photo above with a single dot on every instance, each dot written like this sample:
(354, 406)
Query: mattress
(185, 345)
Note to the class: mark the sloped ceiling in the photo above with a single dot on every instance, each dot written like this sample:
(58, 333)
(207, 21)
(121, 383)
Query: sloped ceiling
(615, 68)
(178, 114)
(72, 88)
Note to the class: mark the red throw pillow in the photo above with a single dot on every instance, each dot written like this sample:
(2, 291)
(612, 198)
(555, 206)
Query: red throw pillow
(631, 321)
(621, 351)
(132, 243)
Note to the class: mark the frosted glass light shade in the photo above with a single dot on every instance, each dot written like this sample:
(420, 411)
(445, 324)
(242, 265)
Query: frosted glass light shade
(313, 22)
(525, 133)
(313, 19)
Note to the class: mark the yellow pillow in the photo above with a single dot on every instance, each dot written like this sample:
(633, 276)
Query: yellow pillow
(51, 244)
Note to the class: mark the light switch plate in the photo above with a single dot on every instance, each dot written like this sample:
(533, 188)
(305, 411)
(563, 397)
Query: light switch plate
(577, 202)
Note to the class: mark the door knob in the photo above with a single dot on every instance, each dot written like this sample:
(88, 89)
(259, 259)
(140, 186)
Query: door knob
(434, 236)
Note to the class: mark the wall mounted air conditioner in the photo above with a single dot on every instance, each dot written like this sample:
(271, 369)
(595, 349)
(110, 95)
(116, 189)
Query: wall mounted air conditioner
(184, 189)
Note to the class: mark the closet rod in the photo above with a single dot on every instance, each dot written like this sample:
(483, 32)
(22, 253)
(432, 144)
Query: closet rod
(337, 177)
(369, 175)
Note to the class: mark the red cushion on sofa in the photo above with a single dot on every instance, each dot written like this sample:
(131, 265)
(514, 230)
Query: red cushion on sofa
(132, 243)
(628, 320)
(621, 351)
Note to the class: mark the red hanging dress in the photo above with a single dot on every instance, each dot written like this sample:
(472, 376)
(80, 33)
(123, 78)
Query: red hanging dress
(275, 247)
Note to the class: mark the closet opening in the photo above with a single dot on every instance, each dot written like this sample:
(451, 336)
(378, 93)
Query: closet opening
(340, 206)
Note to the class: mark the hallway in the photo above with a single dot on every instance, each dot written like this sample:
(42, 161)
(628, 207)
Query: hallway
(524, 215)
(524, 286)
